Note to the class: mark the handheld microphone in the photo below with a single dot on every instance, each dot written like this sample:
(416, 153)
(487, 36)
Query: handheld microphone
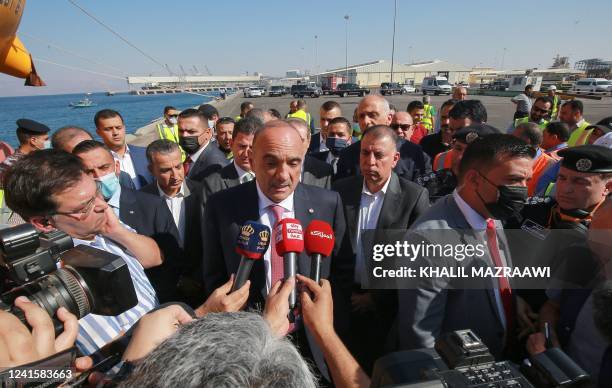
(289, 243)
(251, 244)
(319, 243)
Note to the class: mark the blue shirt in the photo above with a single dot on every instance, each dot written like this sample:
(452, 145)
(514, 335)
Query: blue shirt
(96, 331)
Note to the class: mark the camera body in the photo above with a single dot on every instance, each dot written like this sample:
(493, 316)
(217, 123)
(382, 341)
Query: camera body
(460, 360)
(51, 272)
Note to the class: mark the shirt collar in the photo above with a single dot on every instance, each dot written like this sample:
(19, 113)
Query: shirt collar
(557, 147)
(183, 192)
(241, 172)
(114, 201)
(383, 191)
(265, 202)
(117, 156)
(473, 218)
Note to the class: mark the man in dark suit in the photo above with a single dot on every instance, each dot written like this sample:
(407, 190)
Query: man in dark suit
(329, 110)
(132, 160)
(195, 136)
(276, 193)
(240, 170)
(374, 110)
(498, 164)
(378, 200)
(314, 171)
(183, 197)
(145, 213)
(339, 136)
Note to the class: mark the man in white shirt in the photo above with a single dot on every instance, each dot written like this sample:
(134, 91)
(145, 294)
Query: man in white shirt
(111, 128)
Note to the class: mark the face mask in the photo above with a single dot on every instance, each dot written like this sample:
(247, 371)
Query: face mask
(173, 120)
(335, 145)
(211, 124)
(510, 201)
(47, 144)
(190, 144)
(108, 185)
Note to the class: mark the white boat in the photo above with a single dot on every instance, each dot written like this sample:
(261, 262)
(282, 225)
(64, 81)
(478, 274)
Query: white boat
(84, 103)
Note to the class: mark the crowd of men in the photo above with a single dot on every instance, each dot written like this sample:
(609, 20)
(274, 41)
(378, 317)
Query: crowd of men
(173, 210)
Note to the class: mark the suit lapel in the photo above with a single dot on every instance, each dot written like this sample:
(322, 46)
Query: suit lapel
(390, 203)
(351, 206)
(229, 175)
(305, 212)
(251, 208)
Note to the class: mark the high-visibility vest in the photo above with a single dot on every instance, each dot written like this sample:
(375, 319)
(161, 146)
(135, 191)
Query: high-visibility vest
(237, 118)
(168, 133)
(542, 124)
(427, 119)
(580, 135)
(1, 198)
(301, 114)
(444, 160)
(555, 107)
(540, 165)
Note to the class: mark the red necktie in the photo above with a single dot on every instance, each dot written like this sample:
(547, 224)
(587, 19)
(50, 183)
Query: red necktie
(276, 261)
(504, 285)
(187, 165)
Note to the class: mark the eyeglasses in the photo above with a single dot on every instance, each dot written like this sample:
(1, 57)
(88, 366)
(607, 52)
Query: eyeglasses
(404, 127)
(80, 215)
(175, 116)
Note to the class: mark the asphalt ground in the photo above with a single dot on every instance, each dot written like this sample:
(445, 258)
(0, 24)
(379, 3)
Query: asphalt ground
(500, 110)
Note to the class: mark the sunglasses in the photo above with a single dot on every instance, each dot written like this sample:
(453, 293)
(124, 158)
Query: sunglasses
(404, 127)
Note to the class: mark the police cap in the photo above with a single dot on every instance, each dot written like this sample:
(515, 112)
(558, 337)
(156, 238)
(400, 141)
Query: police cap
(32, 126)
(587, 158)
(472, 132)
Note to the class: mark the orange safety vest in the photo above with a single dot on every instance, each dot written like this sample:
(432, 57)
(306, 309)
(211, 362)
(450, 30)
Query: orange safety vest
(540, 165)
(444, 160)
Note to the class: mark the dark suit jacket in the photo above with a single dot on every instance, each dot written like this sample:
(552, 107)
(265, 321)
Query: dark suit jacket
(192, 245)
(149, 215)
(209, 161)
(320, 155)
(125, 181)
(317, 173)
(139, 159)
(413, 161)
(219, 180)
(315, 143)
(228, 210)
(432, 145)
(441, 305)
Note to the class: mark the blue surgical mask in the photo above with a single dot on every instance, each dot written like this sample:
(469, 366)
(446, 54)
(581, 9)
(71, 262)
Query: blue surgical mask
(336, 144)
(108, 185)
(47, 144)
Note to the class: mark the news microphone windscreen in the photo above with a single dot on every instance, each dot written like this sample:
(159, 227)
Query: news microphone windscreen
(319, 238)
(289, 236)
(253, 240)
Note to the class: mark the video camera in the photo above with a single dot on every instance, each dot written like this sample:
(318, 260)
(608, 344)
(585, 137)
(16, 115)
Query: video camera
(52, 273)
(460, 359)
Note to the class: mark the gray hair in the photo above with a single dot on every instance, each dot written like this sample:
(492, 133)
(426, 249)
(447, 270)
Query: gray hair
(161, 146)
(223, 350)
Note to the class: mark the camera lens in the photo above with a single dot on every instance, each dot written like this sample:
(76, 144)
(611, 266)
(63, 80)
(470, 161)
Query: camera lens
(63, 288)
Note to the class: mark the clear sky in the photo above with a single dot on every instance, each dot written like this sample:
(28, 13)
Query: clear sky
(233, 37)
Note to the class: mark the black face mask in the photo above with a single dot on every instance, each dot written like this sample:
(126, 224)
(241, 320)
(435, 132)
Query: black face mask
(335, 145)
(510, 201)
(189, 143)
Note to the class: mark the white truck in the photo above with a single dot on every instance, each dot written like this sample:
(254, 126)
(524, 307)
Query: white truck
(436, 85)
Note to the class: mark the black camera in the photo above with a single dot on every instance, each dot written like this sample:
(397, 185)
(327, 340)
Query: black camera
(52, 273)
(460, 359)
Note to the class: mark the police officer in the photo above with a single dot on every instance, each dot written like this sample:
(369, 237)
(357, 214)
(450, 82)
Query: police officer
(443, 181)
(32, 136)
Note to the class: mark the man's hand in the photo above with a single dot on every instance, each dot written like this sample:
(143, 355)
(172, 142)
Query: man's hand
(19, 346)
(112, 227)
(153, 329)
(536, 344)
(277, 307)
(527, 319)
(220, 300)
(318, 311)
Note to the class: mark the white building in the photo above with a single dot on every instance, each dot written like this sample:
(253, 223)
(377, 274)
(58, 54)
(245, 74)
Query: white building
(372, 74)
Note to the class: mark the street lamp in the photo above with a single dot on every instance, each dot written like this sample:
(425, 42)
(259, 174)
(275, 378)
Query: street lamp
(316, 68)
(393, 42)
(503, 58)
(346, 17)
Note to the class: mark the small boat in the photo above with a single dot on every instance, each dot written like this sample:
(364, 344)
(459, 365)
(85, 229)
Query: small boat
(84, 103)
(110, 93)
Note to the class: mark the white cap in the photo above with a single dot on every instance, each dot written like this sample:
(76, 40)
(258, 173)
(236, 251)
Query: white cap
(605, 140)
(552, 87)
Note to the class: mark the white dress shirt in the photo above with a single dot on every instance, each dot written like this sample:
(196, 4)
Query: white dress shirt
(369, 211)
(242, 173)
(266, 217)
(322, 145)
(333, 161)
(479, 224)
(127, 165)
(176, 204)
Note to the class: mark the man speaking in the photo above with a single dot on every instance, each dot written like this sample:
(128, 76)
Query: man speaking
(275, 194)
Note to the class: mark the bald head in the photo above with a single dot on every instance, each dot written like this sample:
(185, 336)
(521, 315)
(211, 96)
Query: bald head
(66, 138)
(459, 93)
(302, 128)
(277, 159)
(373, 110)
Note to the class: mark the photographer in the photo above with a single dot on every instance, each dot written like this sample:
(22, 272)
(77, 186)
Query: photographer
(50, 190)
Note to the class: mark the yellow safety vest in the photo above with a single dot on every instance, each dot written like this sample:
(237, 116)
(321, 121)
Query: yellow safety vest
(237, 118)
(300, 114)
(580, 135)
(542, 124)
(427, 120)
(168, 133)
(555, 108)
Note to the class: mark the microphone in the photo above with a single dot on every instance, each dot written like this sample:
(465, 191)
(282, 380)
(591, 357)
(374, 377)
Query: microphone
(289, 243)
(319, 243)
(251, 244)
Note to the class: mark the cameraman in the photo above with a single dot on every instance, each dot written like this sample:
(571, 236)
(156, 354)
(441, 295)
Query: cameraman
(50, 189)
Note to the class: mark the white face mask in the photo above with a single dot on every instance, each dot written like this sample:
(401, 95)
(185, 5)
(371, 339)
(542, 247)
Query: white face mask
(47, 144)
(173, 120)
(211, 124)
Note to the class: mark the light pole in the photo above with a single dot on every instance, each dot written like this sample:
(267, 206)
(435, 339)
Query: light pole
(346, 17)
(503, 57)
(393, 41)
(316, 68)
